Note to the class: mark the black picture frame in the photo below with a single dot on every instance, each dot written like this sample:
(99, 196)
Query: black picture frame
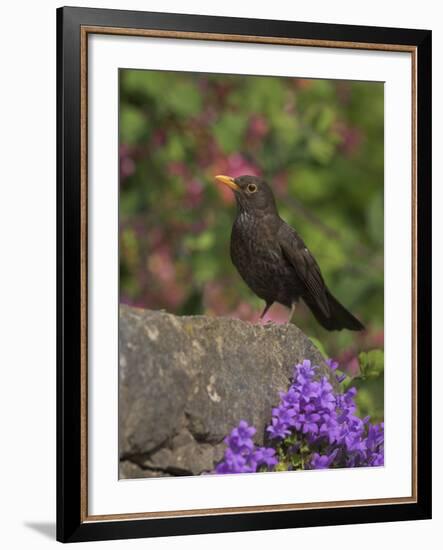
(71, 523)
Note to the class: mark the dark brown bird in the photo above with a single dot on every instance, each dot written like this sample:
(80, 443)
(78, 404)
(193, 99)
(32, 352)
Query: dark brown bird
(273, 259)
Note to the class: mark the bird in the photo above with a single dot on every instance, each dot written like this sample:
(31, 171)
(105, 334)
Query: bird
(273, 259)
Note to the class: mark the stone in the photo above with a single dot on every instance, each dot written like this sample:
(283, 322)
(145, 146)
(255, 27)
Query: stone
(185, 382)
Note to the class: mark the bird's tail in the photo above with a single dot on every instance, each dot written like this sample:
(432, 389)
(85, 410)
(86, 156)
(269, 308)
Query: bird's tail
(339, 317)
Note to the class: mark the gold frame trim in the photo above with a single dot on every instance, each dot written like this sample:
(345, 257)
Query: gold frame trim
(84, 32)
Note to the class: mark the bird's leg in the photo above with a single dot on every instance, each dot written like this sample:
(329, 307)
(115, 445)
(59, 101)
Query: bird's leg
(268, 305)
(291, 313)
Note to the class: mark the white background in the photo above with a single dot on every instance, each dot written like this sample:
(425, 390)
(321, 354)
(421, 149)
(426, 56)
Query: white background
(107, 495)
(27, 286)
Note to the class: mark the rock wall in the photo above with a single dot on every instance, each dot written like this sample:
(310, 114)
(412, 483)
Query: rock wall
(185, 382)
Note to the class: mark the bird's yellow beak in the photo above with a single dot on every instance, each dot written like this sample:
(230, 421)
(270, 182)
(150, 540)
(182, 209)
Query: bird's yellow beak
(228, 181)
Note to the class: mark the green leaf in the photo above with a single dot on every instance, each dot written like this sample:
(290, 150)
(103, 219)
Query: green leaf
(320, 149)
(325, 119)
(201, 242)
(204, 267)
(375, 218)
(229, 132)
(175, 148)
(281, 467)
(371, 363)
(319, 346)
(132, 125)
(183, 99)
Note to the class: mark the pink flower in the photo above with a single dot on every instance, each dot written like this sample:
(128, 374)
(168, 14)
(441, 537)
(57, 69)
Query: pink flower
(244, 312)
(280, 183)
(238, 165)
(353, 367)
(177, 169)
(127, 164)
(351, 138)
(378, 339)
(234, 165)
(213, 298)
(302, 83)
(158, 138)
(258, 128)
(194, 193)
(161, 265)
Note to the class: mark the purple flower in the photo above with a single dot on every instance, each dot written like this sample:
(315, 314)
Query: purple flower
(234, 463)
(244, 431)
(333, 365)
(312, 410)
(240, 438)
(266, 456)
(314, 426)
(277, 429)
(310, 423)
(304, 372)
(241, 455)
(321, 462)
(326, 399)
(284, 415)
(375, 445)
(291, 398)
(377, 459)
(375, 436)
(329, 428)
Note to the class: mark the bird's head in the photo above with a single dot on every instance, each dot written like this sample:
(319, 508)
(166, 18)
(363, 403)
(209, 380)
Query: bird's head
(252, 193)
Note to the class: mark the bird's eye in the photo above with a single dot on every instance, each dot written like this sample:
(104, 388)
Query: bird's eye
(252, 188)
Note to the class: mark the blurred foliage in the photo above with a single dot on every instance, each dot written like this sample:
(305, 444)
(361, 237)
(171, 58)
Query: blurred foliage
(371, 364)
(369, 382)
(320, 145)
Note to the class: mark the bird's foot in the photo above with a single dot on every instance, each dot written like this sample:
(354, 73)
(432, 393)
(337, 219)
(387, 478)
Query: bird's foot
(265, 321)
(291, 313)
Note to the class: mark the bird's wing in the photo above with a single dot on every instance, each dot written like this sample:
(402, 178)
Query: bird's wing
(306, 268)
